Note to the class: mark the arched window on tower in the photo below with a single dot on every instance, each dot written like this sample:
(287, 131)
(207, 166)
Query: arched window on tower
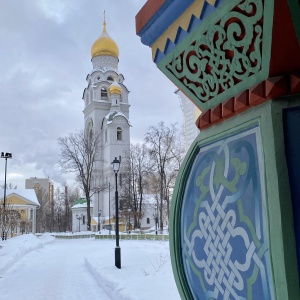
(109, 78)
(119, 134)
(103, 93)
(91, 136)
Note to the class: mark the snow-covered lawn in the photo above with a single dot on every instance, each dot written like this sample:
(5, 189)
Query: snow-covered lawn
(146, 267)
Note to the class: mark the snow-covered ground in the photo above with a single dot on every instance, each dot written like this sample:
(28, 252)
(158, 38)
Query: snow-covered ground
(46, 268)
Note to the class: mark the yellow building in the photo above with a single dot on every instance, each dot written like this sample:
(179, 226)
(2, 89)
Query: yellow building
(20, 207)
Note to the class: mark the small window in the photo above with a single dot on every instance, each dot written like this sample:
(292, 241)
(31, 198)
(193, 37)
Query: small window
(119, 134)
(148, 220)
(103, 93)
(109, 78)
(83, 220)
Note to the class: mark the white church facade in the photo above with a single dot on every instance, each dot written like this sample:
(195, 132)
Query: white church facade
(106, 113)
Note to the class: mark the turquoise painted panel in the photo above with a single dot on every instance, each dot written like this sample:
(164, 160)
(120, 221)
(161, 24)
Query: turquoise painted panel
(224, 229)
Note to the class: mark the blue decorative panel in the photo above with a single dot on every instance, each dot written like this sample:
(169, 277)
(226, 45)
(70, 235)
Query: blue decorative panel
(224, 230)
(291, 125)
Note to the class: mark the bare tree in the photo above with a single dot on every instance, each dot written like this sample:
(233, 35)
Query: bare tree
(73, 195)
(165, 149)
(9, 186)
(58, 211)
(43, 211)
(25, 226)
(79, 152)
(3, 222)
(137, 166)
(13, 219)
(1, 218)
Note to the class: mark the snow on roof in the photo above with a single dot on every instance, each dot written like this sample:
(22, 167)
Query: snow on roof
(109, 117)
(27, 194)
(81, 203)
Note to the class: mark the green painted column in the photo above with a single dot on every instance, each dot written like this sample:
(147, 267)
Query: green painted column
(231, 227)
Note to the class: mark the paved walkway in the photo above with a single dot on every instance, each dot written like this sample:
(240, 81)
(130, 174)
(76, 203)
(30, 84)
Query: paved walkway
(55, 272)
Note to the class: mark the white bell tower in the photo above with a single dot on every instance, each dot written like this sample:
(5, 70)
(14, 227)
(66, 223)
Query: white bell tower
(106, 112)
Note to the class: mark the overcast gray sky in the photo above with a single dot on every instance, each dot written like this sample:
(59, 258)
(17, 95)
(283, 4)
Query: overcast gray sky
(44, 59)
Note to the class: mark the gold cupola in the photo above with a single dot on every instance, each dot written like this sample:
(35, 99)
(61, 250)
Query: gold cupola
(105, 45)
(115, 89)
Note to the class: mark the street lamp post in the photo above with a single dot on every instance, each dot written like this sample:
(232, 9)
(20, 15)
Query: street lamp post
(129, 225)
(116, 167)
(109, 207)
(79, 217)
(99, 220)
(99, 213)
(156, 218)
(6, 156)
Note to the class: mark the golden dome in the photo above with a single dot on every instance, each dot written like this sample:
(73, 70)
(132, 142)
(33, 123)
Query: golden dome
(115, 89)
(105, 45)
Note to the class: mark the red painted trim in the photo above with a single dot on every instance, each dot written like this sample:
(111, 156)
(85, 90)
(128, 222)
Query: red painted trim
(271, 88)
(285, 52)
(146, 13)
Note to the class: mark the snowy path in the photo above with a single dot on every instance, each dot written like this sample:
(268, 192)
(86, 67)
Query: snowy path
(55, 272)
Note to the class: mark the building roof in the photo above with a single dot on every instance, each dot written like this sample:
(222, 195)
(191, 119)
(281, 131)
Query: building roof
(111, 115)
(81, 203)
(27, 194)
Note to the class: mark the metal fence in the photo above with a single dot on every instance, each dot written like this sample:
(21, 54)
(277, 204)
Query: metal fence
(151, 237)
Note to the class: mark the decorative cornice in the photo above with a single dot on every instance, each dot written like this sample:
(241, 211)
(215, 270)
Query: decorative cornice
(225, 55)
(157, 18)
(269, 89)
(149, 9)
(221, 61)
(192, 17)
